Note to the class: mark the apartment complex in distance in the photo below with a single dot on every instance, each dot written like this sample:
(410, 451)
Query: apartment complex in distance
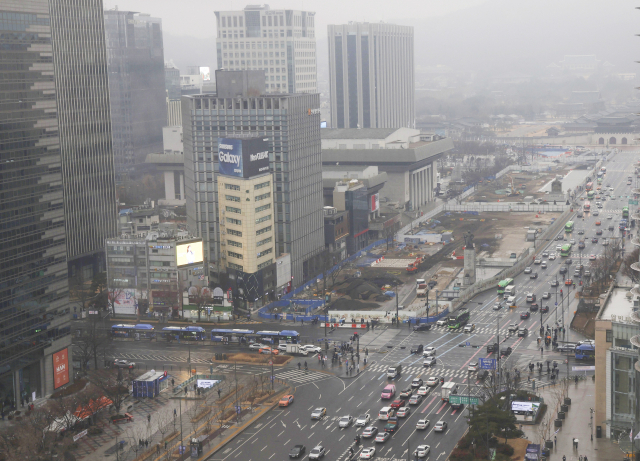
(280, 42)
(371, 75)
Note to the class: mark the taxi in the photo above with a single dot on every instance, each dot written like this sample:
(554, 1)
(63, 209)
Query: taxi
(285, 401)
(267, 350)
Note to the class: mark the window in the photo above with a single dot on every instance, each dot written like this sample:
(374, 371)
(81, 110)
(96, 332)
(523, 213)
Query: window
(234, 232)
(231, 187)
(232, 198)
(231, 209)
(265, 264)
(234, 255)
(261, 185)
(233, 243)
(264, 242)
(263, 196)
(263, 219)
(263, 207)
(263, 230)
(609, 337)
(234, 221)
(265, 252)
(235, 266)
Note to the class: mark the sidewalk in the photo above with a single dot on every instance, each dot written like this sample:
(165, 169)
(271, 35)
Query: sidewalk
(576, 425)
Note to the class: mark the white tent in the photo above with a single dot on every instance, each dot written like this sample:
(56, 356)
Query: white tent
(63, 423)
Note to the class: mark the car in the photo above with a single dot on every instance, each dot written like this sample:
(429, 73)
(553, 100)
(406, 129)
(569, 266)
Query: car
(497, 306)
(397, 403)
(268, 350)
(282, 347)
(441, 323)
(382, 437)
(297, 451)
(422, 451)
(431, 382)
(595, 213)
(311, 348)
(367, 453)
(417, 348)
(527, 270)
(544, 309)
(560, 237)
(513, 327)
(522, 332)
(546, 295)
(525, 315)
(545, 254)
(363, 420)
(422, 424)
(594, 240)
(415, 399)
(587, 341)
(469, 327)
(422, 327)
(473, 366)
(345, 421)
(558, 247)
(552, 256)
(609, 217)
(598, 223)
(429, 362)
(587, 273)
(429, 351)
(369, 432)
(554, 283)
(543, 265)
(610, 188)
(440, 426)
(533, 307)
(405, 394)
(531, 297)
(285, 401)
(417, 382)
(567, 347)
(605, 242)
(568, 261)
(506, 352)
(256, 346)
(318, 413)
(121, 363)
(568, 282)
(403, 412)
(537, 261)
(580, 231)
(534, 275)
(563, 270)
(572, 241)
(317, 453)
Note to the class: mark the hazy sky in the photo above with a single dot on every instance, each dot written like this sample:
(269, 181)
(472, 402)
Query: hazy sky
(494, 36)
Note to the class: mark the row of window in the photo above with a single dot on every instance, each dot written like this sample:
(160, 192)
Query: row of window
(234, 221)
(265, 264)
(262, 196)
(235, 266)
(234, 232)
(264, 242)
(265, 252)
(232, 198)
(254, 45)
(234, 255)
(231, 209)
(263, 207)
(261, 185)
(231, 186)
(233, 243)
(228, 103)
(263, 230)
(263, 219)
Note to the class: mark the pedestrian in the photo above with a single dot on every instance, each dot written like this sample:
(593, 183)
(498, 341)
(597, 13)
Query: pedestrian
(542, 351)
(585, 458)
(580, 458)
(219, 392)
(302, 321)
(165, 445)
(158, 449)
(564, 458)
(139, 442)
(299, 365)
(146, 443)
(555, 441)
(149, 418)
(175, 413)
(173, 382)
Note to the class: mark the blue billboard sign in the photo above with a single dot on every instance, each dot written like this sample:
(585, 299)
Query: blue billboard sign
(243, 158)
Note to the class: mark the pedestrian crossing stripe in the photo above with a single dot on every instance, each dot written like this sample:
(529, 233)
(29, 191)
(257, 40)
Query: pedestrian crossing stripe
(300, 376)
(424, 372)
(478, 331)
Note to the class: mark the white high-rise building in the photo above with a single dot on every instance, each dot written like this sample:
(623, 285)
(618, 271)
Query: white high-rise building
(280, 42)
(371, 75)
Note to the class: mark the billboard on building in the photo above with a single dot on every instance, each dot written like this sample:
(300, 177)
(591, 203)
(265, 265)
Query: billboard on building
(124, 300)
(243, 158)
(205, 73)
(189, 253)
(375, 202)
(60, 368)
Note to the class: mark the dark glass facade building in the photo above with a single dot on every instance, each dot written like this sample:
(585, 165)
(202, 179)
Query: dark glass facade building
(57, 188)
(137, 87)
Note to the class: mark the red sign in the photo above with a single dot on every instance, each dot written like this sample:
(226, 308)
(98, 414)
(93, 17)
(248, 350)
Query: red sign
(60, 368)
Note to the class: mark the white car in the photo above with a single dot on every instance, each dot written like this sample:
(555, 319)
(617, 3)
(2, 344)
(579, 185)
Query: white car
(552, 256)
(441, 323)
(345, 421)
(256, 346)
(422, 451)
(440, 426)
(122, 363)
(429, 362)
(432, 381)
(429, 351)
(282, 347)
(317, 453)
(558, 248)
(527, 270)
(609, 217)
(367, 453)
(473, 366)
(537, 261)
(363, 420)
(403, 412)
(422, 424)
(311, 348)
(422, 390)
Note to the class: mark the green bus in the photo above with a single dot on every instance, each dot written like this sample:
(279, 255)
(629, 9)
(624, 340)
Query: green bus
(502, 285)
(568, 228)
(459, 318)
(625, 212)
(566, 250)
(600, 180)
(591, 195)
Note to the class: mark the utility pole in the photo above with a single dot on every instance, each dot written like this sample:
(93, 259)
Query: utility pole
(427, 306)
(397, 307)
(235, 375)
(498, 351)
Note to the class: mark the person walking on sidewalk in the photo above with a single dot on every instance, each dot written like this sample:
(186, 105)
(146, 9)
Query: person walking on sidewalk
(555, 441)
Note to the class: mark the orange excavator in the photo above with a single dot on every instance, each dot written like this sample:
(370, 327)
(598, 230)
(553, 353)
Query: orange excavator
(413, 266)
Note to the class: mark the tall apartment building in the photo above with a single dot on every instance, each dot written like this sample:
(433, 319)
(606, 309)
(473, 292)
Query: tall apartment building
(280, 42)
(137, 88)
(291, 125)
(57, 182)
(371, 75)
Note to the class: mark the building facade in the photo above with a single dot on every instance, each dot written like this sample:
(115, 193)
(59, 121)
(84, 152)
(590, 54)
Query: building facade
(291, 125)
(371, 75)
(58, 199)
(137, 86)
(280, 42)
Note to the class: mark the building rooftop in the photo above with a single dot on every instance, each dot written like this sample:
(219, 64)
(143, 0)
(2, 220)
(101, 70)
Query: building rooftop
(360, 133)
(618, 307)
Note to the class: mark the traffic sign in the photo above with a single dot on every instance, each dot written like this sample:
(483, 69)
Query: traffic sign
(488, 364)
(468, 343)
(463, 399)
(556, 304)
(270, 362)
(238, 409)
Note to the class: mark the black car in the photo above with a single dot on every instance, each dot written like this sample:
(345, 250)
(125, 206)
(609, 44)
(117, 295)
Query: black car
(492, 347)
(554, 283)
(599, 232)
(482, 374)
(563, 270)
(534, 275)
(544, 309)
(297, 451)
(417, 348)
(422, 327)
(525, 315)
(594, 240)
(506, 352)
(533, 307)
(568, 261)
(580, 231)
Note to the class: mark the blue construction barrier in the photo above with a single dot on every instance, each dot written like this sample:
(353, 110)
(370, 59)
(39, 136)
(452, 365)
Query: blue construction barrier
(430, 319)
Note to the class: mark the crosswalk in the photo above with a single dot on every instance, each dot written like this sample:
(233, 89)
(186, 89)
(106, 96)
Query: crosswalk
(301, 376)
(163, 358)
(423, 372)
(488, 330)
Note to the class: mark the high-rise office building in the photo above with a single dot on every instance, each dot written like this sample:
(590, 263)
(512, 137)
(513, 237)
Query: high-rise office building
(371, 75)
(280, 42)
(58, 188)
(137, 91)
(291, 125)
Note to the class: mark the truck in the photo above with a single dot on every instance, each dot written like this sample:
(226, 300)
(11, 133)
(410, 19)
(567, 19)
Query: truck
(394, 371)
(446, 390)
(295, 349)
(421, 290)
(581, 244)
(510, 291)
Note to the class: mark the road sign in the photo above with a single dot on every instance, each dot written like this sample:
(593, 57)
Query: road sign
(238, 409)
(488, 364)
(463, 399)
(270, 362)
(467, 343)
(556, 304)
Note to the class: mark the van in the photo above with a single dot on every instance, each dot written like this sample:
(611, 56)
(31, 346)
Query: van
(385, 413)
(394, 371)
(420, 281)
(511, 300)
(388, 392)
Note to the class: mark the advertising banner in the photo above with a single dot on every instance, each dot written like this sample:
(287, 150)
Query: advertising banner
(60, 368)
(189, 253)
(124, 300)
(206, 383)
(525, 406)
(205, 73)
(243, 158)
(375, 202)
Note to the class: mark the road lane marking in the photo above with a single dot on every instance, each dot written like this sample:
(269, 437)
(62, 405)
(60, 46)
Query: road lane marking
(280, 433)
(443, 405)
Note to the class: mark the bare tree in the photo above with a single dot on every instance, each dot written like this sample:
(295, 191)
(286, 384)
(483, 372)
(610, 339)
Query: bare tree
(80, 290)
(92, 340)
(112, 384)
(390, 232)
(631, 258)
(164, 418)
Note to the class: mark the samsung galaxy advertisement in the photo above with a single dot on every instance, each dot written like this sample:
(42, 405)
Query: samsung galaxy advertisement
(243, 158)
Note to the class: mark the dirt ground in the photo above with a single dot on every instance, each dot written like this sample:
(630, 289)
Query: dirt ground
(519, 447)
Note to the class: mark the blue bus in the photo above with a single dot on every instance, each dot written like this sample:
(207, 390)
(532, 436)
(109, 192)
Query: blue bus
(586, 352)
(232, 335)
(144, 330)
(277, 337)
(187, 333)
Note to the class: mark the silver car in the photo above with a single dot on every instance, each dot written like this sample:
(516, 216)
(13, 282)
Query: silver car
(345, 421)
